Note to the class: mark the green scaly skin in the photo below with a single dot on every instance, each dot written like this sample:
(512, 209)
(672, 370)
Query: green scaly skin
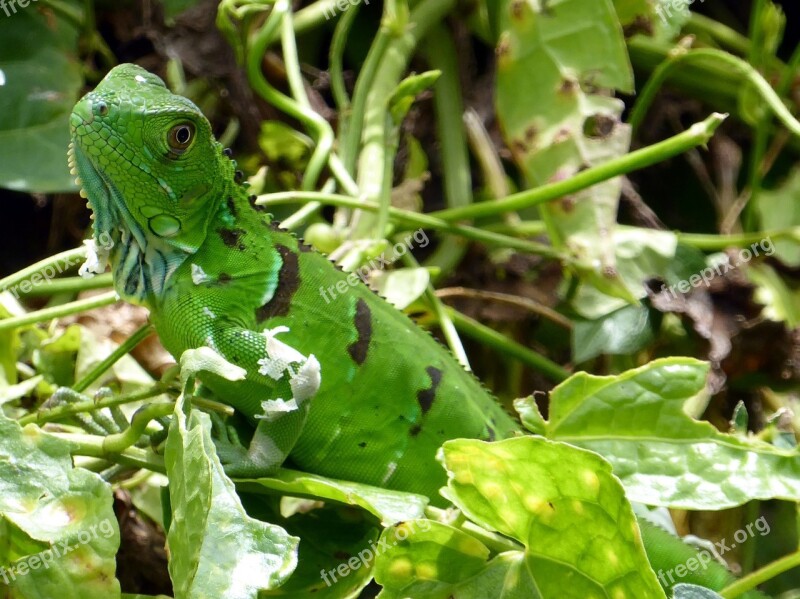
(216, 273)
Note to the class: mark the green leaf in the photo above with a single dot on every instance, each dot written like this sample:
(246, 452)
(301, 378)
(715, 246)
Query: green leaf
(625, 331)
(388, 506)
(401, 287)
(563, 506)
(636, 420)
(40, 78)
(336, 551)
(781, 302)
(429, 559)
(558, 64)
(216, 549)
(778, 209)
(406, 93)
(58, 532)
(641, 254)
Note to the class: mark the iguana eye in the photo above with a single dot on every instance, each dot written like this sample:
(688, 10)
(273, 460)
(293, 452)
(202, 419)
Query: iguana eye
(180, 137)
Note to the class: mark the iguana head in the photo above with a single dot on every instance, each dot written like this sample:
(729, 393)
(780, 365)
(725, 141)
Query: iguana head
(152, 171)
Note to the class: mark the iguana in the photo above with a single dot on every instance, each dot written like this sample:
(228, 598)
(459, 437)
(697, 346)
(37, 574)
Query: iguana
(371, 397)
(215, 271)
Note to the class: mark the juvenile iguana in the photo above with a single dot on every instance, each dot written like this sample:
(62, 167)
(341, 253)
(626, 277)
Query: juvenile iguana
(217, 273)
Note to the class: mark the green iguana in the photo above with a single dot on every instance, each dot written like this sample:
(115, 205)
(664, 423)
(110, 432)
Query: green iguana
(216, 272)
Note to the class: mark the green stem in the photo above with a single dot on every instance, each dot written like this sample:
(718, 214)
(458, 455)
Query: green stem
(764, 574)
(493, 339)
(93, 446)
(414, 219)
(716, 243)
(441, 54)
(314, 123)
(719, 32)
(59, 262)
(698, 134)
(113, 444)
(406, 38)
(336, 60)
(96, 372)
(730, 61)
(364, 84)
(64, 411)
(98, 301)
(70, 285)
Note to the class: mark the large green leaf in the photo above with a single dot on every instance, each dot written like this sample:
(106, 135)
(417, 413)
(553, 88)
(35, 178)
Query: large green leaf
(216, 549)
(40, 79)
(387, 505)
(577, 533)
(636, 420)
(558, 64)
(58, 532)
(336, 551)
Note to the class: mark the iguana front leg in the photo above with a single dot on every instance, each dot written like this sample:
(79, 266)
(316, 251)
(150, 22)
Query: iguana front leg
(249, 363)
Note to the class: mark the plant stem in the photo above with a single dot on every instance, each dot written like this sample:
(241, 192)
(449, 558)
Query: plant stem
(59, 262)
(413, 219)
(98, 301)
(96, 372)
(698, 134)
(61, 412)
(719, 57)
(768, 572)
(70, 285)
(492, 338)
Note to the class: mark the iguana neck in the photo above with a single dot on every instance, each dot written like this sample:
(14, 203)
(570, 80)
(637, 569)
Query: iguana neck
(143, 263)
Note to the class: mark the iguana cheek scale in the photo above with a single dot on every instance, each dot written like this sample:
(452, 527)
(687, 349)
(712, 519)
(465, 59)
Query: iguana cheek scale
(216, 272)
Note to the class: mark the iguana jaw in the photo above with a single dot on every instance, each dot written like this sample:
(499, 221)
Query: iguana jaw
(106, 218)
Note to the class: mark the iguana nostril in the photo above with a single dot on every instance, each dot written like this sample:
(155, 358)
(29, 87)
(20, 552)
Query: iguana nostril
(100, 108)
(81, 114)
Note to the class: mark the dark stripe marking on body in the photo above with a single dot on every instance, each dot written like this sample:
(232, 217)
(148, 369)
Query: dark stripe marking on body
(288, 284)
(425, 397)
(363, 323)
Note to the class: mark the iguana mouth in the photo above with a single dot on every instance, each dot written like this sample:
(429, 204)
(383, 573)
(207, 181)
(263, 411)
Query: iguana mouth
(113, 225)
(96, 193)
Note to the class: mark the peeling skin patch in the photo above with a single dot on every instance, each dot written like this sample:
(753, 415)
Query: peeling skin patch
(280, 356)
(304, 382)
(288, 284)
(96, 260)
(208, 313)
(199, 276)
(363, 323)
(275, 408)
